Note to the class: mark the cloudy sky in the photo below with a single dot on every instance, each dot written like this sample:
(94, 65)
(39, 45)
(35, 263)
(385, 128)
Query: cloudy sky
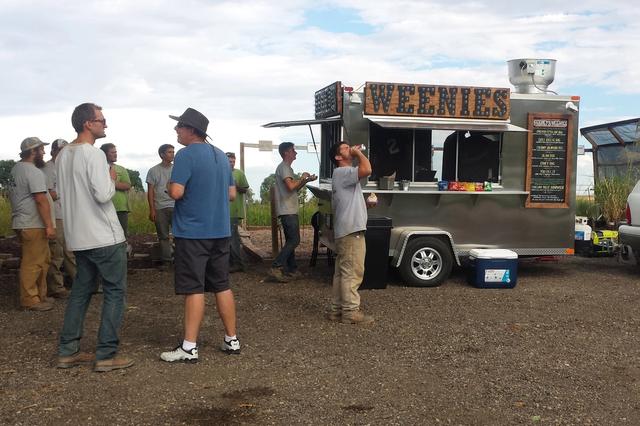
(246, 63)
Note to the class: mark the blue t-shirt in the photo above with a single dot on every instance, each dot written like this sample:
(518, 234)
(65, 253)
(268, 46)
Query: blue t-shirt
(203, 211)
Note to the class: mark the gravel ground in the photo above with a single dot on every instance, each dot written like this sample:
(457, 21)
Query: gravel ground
(560, 348)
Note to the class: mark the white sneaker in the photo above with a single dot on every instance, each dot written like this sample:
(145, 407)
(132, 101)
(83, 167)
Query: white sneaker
(179, 354)
(231, 347)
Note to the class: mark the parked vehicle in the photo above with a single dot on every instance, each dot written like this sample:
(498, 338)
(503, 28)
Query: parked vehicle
(457, 168)
(629, 234)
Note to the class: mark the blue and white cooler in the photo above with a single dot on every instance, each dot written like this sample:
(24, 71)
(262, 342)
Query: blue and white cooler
(493, 268)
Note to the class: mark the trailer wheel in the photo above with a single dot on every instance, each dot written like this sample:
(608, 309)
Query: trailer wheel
(427, 262)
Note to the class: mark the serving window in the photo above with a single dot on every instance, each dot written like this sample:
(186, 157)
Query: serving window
(426, 155)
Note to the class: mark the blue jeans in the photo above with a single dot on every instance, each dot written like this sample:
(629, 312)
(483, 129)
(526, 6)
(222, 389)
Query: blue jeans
(286, 259)
(111, 264)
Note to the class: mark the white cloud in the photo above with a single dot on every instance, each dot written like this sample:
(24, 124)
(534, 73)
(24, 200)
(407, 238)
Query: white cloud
(245, 63)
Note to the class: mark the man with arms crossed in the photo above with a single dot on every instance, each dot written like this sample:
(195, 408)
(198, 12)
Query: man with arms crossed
(284, 266)
(160, 204)
(202, 185)
(350, 223)
(33, 222)
(86, 186)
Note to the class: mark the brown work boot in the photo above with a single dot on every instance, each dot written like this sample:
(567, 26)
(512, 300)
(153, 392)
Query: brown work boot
(277, 275)
(76, 359)
(114, 363)
(356, 317)
(39, 307)
(334, 316)
(63, 293)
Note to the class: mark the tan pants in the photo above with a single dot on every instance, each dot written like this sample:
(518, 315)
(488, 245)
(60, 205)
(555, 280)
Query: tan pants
(60, 256)
(350, 253)
(34, 264)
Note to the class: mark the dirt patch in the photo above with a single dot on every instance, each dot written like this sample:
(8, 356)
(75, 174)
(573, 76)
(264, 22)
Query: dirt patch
(562, 347)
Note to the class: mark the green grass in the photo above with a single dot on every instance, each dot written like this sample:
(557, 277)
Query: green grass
(587, 207)
(5, 216)
(260, 214)
(139, 223)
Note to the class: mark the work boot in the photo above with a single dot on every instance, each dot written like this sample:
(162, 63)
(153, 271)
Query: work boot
(78, 358)
(111, 364)
(277, 275)
(356, 317)
(334, 316)
(39, 307)
(63, 293)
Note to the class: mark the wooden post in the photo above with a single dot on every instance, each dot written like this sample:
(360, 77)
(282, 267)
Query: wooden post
(244, 222)
(275, 246)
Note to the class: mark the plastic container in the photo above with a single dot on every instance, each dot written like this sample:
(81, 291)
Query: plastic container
(493, 268)
(385, 182)
(376, 261)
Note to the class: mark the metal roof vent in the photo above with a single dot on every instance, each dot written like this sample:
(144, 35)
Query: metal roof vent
(531, 75)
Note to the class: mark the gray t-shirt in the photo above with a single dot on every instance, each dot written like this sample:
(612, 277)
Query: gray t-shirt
(27, 180)
(286, 201)
(49, 170)
(347, 202)
(159, 176)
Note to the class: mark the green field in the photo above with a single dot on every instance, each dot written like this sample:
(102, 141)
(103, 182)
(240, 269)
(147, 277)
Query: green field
(257, 214)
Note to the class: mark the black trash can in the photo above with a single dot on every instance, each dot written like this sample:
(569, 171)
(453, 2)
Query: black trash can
(376, 262)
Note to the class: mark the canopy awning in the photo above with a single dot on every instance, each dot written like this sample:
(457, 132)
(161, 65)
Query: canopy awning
(443, 124)
(301, 122)
(616, 133)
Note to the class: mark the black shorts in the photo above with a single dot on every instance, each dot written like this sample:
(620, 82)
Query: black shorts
(201, 265)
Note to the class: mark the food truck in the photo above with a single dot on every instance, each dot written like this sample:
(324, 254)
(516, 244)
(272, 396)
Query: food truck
(457, 168)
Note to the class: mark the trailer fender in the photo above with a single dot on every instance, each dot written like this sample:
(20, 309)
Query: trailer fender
(400, 237)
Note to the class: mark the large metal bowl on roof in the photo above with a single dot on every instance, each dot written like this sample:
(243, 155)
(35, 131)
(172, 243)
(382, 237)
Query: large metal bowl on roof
(531, 75)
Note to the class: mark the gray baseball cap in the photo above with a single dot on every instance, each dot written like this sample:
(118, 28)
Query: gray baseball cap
(30, 143)
(59, 143)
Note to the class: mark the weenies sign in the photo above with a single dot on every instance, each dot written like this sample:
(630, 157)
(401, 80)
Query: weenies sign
(417, 100)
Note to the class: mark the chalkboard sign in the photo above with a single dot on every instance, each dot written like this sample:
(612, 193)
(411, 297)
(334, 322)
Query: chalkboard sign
(328, 101)
(550, 149)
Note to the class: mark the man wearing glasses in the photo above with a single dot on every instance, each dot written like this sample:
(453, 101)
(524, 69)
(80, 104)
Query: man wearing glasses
(86, 186)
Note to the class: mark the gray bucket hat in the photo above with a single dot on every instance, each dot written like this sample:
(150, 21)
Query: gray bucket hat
(193, 118)
(30, 143)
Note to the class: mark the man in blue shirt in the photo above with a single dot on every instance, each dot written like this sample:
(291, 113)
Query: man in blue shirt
(202, 185)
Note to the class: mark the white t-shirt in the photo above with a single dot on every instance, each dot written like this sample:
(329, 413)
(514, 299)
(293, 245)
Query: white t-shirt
(85, 189)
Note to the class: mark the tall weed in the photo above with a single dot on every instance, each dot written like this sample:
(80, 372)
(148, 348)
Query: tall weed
(611, 196)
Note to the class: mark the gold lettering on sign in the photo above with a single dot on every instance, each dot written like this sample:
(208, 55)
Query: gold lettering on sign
(420, 100)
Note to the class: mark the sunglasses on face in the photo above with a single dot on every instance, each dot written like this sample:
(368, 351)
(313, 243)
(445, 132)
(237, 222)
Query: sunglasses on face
(103, 121)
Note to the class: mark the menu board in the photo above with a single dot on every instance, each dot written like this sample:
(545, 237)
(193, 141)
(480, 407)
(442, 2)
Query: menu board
(550, 147)
(328, 101)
